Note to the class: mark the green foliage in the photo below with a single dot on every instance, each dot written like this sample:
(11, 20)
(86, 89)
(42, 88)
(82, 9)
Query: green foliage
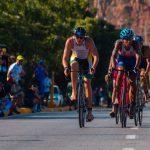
(39, 28)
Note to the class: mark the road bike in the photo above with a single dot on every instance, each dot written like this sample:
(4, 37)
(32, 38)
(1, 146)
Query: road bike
(138, 112)
(81, 96)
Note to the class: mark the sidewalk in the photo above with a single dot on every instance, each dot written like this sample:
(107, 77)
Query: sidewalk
(24, 110)
(28, 110)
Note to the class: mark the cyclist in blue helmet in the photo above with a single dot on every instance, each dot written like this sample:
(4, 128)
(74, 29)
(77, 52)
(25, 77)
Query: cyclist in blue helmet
(82, 53)
(138, 39)
(126, 33)
(125, 56)
(144, 65)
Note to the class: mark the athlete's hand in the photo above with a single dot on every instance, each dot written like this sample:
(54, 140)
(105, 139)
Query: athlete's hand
(146, 74)
(113, 66)
(107, 78)
(66, 71)
(92, 70)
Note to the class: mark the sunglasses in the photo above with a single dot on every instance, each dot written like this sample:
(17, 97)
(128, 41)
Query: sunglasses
(80, 37)
(127, 39)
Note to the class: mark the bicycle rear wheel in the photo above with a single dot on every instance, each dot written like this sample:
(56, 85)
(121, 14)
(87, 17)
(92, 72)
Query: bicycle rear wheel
(81, 105)
(136, 115)
(140, 110)
(123, 108)
(117, 113)
(139, 105)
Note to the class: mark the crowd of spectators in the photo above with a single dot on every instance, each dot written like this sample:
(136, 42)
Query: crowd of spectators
(13, 92)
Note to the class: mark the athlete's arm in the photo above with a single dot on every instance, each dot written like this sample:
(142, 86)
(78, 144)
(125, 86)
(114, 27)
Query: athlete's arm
(147, 53)
(110, 65)
(137, 56)
(147, 67)
(114, 53)
(94, 53)
(67, 53)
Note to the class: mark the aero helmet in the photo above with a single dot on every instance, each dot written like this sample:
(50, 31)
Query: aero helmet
(126, 33)
(79, 31)
(138, 38)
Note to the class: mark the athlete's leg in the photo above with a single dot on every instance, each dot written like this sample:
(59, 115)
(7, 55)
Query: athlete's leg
(144, 83)
(88, 93)
(116, 91)
(132, 90)
(74, 68)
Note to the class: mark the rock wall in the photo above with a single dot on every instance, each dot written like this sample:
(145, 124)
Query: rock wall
(126, 13)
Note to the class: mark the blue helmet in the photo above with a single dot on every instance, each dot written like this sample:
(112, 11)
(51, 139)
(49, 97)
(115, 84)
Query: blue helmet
(126, 33)
(138, 39)
(79, 31)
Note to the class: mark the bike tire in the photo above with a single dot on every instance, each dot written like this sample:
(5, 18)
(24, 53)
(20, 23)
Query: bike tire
(117, 116)
(136, 116)
(123, 113)
(81, 106)
(140, 114)
(139, 105)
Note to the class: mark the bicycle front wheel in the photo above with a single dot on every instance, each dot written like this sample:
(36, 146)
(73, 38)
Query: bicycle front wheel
(123, 114)
(81, 105)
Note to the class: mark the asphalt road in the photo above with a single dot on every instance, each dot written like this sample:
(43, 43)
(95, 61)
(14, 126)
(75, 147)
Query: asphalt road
(60, 131)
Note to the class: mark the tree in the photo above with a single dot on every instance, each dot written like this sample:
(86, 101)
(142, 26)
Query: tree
(38, 29)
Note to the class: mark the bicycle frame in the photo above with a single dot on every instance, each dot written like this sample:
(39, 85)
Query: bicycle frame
(123, 97)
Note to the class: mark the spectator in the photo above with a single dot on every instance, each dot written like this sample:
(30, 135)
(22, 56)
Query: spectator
(15, 71)
(40, 74)
(102, 96)
(14, 78)
(33, 98)
(47, 84)
(3, 65)
(12, 59)
(96, 96)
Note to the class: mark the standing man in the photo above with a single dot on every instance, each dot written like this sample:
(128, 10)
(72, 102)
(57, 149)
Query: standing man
(40, 74)
(3, 65)
(15, 71)
(80, 50)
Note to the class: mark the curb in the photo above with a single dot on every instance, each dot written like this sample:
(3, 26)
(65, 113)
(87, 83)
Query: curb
(56, 109)
(24, 110)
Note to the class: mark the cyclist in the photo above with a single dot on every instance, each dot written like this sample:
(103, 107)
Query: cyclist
(126, 53)
(80, 49)
(144, 65)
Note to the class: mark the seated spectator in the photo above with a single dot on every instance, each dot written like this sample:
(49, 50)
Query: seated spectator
(17, 95)
(5, 102)
(33, 99)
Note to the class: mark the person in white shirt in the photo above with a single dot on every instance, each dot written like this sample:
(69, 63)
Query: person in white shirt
(15, 71)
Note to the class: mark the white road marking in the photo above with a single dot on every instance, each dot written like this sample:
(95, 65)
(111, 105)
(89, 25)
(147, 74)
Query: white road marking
(134, 128)
(128, 148)
(131, 137)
